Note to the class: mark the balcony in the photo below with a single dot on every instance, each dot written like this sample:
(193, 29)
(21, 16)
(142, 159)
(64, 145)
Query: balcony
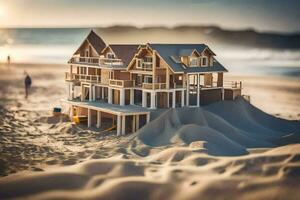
(111, 62)
(82, 77)
(121, 83)
(97, 61)
(85, 60)
(232, 84)
(154, 86)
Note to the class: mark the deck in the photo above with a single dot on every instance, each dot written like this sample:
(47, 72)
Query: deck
(110, 108)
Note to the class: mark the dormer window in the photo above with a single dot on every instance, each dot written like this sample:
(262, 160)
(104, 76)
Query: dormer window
(110, 55)
(194, 62)
(204, 61)
(148, 59)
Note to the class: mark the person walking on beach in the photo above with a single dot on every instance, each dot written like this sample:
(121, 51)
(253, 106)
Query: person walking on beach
(27, 83)
(8, 60)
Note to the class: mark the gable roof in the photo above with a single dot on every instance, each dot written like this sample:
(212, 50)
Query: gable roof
(171, 54)
(96, 42)
(125, 52)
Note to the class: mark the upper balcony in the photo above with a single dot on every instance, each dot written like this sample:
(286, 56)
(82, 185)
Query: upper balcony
(121, 83)
(82, 77)
(97, 61)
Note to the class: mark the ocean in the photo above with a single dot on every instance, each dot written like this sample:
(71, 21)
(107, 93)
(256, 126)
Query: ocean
(56, 46)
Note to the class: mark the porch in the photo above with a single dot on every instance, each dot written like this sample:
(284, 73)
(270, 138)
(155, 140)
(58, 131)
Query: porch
(128, 118)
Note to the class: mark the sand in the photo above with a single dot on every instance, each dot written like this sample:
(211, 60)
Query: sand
(227, 150)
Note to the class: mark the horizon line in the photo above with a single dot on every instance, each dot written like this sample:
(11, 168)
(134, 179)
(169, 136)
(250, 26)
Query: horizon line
(151, 26)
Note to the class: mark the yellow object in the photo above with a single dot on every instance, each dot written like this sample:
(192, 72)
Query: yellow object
(77, 119)
(110, 128)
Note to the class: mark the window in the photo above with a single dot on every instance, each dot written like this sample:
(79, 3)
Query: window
(148, 79)
(194, 62)
(138, 63)
(148, 59)
(110, 55)
(82, 70)
(204, 61)
(87, 53)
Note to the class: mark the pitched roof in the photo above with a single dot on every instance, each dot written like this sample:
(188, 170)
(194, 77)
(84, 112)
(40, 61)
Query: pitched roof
(125, 52)
(172, 52)
(95, 40)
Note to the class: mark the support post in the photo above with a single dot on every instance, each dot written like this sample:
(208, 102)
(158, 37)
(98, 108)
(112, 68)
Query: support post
(152, 100)
(94, 93)
(98, 119)
(71, 112)
(133, 124)
(131, 96)
(182, 98)
(188, 91)
(137, 123)
(123, 124)
(144, 99)
(90, 93)
(82, 92)
(198, 90)
(148, 118)
(174, 99)
(223, 93)
(89, 120)
(102, 93)
(69, 91)
(109, 95)
(122, 97)
(72, 91)
(119, 125)
(168, 100)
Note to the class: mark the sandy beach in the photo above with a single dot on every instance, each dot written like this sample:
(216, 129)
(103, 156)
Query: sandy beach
(226, 150)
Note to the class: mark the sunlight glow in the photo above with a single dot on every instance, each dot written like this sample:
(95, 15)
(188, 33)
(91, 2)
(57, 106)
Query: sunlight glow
(2, 11)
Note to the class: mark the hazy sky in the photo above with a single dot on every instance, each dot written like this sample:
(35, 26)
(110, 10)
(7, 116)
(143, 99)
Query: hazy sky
(270, 15)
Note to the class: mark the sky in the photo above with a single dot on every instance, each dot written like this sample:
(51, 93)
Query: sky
(262, 15)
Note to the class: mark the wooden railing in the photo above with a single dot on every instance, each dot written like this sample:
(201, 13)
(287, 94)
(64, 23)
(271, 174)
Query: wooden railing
(232, 84)
(82, 77)
(154, 86)
(85, 60)
(105, 62)
(111, 62)
(121, 83)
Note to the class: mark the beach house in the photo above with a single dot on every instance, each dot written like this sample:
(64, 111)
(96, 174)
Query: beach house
(122, 84)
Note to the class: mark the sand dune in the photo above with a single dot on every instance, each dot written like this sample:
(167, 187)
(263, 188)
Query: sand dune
(185, 153)
(227, 128)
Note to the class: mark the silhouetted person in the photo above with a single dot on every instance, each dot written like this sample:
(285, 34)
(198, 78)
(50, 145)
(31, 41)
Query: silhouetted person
(27, 83)
(8, 59)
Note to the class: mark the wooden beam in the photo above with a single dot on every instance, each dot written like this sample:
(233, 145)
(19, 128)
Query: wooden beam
(90, 93)
(123, 124)
(174, 99)
(137, 123)
(89, 120)
(182, 98)
(131, 96)
(98, 119)
(198, 90)
(119, 125)
(122, 97)
(148, 118)
(133, 124)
